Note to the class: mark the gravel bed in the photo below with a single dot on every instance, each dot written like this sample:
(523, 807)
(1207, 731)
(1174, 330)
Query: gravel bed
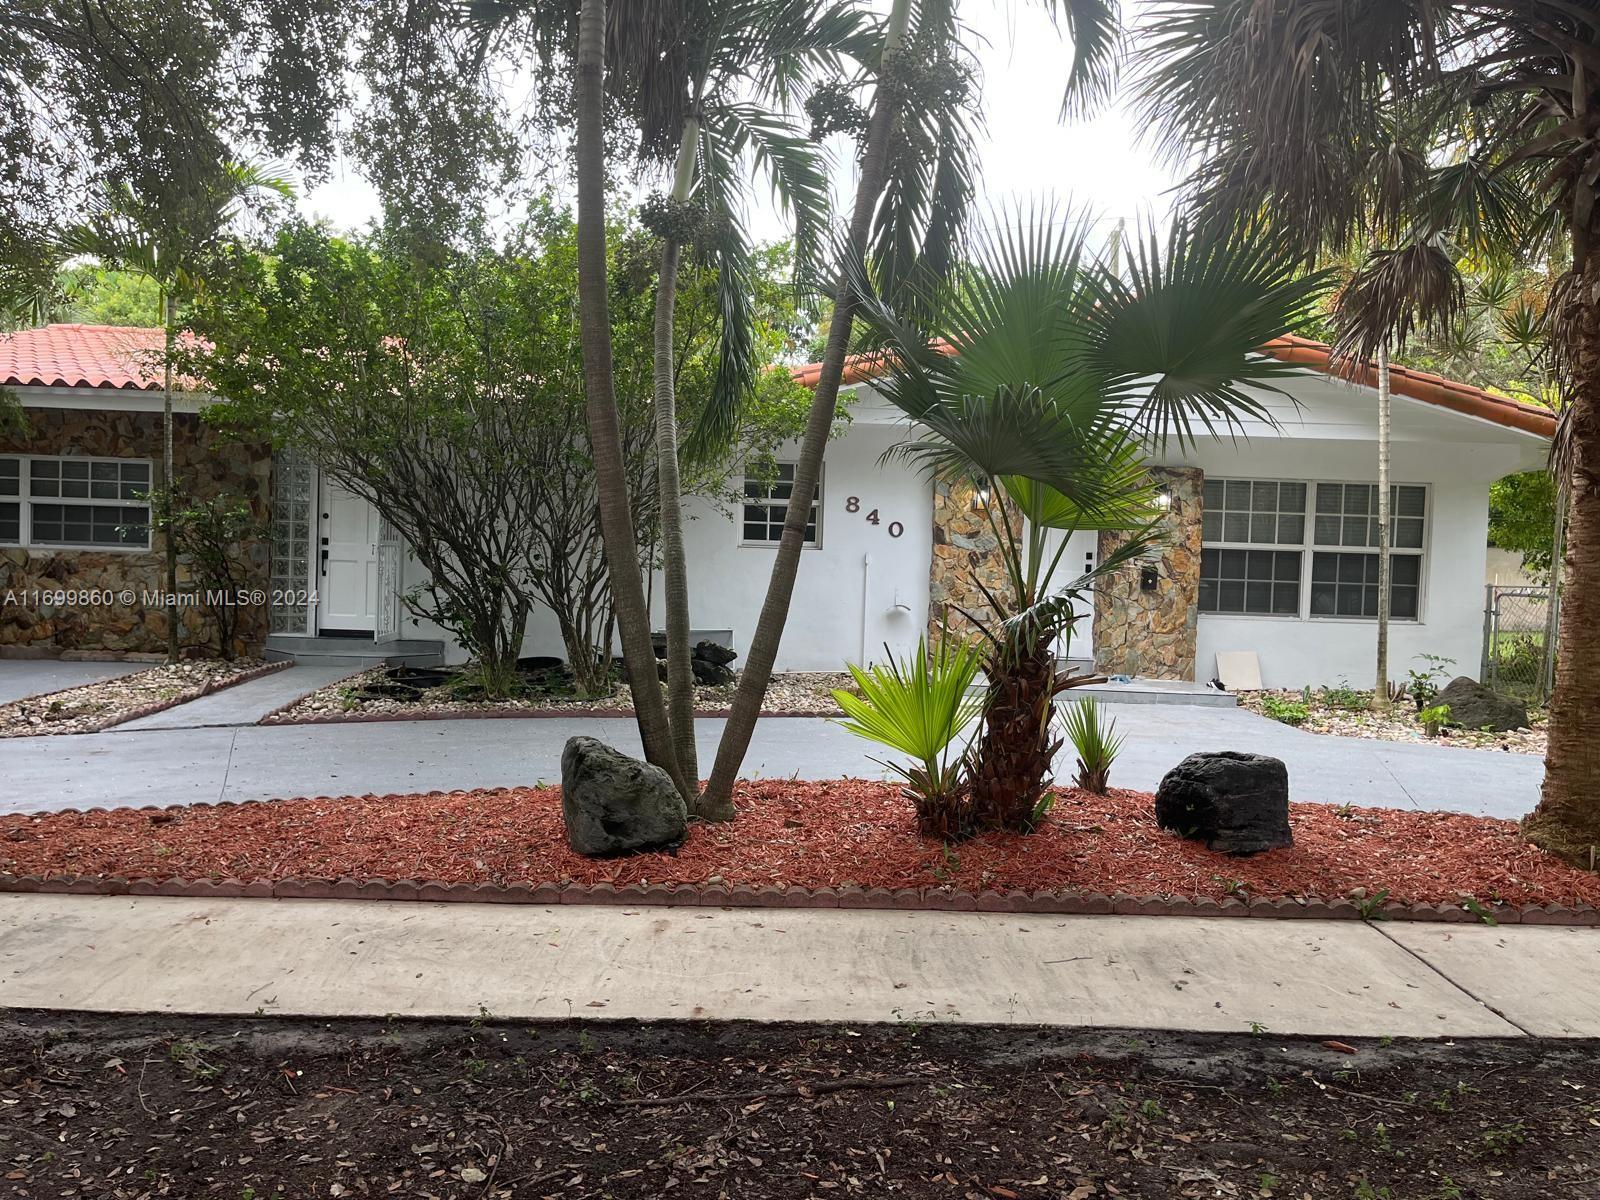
(1399, 724)
(96, 706)
(790, 694)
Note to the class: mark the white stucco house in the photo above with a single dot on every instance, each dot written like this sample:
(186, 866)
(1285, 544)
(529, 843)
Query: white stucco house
(1272, 547)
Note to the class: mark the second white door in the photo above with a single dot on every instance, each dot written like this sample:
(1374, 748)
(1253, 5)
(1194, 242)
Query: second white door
(349, 592)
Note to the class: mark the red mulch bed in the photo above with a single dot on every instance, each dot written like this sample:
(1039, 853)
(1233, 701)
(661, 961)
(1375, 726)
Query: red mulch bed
(808, 834)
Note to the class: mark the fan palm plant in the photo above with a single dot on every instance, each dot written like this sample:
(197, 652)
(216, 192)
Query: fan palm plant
(919, 706)
(1508, 91)
(1046, 377)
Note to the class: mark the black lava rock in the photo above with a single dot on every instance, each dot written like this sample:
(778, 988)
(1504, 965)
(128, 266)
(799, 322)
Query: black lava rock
(1234, 802)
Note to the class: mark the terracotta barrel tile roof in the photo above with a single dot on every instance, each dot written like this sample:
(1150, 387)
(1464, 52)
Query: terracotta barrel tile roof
(1417, 385)
(92, 356)
(1429, 388)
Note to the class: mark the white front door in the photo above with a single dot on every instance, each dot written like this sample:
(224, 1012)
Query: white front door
(349, 592)
(1077, 559)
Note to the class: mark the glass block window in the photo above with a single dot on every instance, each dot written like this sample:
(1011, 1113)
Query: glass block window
(290, 572)
(66, 502)
(1256, 512)
(1250, 581)
(1346, 585)
(1347, 515)
(766, 501)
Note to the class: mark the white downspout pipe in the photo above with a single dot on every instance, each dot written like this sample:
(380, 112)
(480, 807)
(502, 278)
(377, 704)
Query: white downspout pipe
(866, 572)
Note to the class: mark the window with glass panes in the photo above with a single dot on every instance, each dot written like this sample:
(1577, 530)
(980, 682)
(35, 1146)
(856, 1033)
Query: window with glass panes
(766, 503)
(90, 502)
(10, 501)
(1240, 569)
(1257, 534)
(1344, 581)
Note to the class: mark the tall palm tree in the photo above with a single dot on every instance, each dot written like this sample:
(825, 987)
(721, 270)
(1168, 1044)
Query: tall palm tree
(914, 184)
(1066, 372)
(605, 436)
(1282, 91)
(1393, 292)
(167, 239)
(738, 64)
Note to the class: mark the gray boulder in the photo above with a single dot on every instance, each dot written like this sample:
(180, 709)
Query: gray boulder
(1234, 802)
(1473, 706)
(613, 804)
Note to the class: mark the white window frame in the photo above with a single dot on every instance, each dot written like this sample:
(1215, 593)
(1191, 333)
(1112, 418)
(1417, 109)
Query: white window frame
(773, 544)
(1309, 547)
(25, 500)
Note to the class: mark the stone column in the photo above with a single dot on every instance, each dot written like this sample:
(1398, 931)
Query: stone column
(965, 548)
(1152, 633)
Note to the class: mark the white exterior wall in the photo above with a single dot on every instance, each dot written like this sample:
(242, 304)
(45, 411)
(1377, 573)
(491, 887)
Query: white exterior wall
(863, 588)
(856, 560)
(857, 591)
(1330, 435)
(1296, 652)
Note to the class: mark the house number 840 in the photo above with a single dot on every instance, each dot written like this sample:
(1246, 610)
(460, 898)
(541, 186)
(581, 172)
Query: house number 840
(853, 505)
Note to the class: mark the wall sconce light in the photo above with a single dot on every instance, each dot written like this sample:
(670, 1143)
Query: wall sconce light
(1164, 497)
(980, 497)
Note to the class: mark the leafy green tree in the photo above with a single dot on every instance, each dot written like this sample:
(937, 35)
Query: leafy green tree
(152, 96)
(1522, 518)
(448, 392)
(101, 296)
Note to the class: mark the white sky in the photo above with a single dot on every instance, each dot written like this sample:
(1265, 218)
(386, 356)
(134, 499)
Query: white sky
(1028, 152)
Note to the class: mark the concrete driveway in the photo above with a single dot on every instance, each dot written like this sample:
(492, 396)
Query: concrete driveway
(185, 766)
(24, 677)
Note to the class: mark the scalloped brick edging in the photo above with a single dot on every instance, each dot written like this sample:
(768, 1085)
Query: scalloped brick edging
(938, 899)
(209, 688)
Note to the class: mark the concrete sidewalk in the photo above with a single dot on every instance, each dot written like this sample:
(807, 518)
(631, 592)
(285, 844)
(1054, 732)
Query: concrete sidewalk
(352, 958)
(243, 703)
(189, 765)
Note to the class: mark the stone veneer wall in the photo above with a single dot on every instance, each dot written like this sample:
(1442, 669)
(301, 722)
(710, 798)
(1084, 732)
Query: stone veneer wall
(1153, 633)
(964, 548)
(207, 465)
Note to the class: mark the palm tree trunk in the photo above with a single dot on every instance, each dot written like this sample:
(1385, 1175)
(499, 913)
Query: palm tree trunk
(1552, 607)
(1380, 691)
(169, 485)
(763, 650)
(674, 565)
(605, 437)
(1015, 749)
(1567, 821)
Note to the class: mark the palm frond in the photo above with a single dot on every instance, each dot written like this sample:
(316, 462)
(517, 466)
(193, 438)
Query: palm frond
(1392, 294)
(1094, 28)
(793, 164)
(918, 705)
(1177, 342)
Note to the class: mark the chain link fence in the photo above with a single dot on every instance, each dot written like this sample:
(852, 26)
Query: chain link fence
(1518, 641)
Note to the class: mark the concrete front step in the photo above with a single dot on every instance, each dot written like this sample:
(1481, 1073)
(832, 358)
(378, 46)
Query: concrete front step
(354, 652)
(1139, 690)
(1155, 691)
